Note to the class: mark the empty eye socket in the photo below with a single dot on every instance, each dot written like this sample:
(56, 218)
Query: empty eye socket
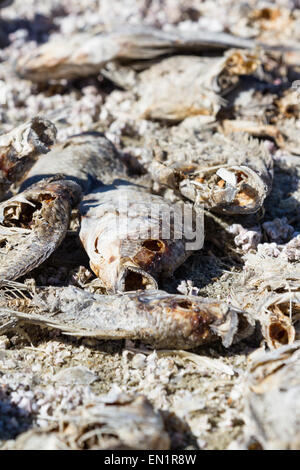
(153, 245)
(185, 304)
(278, 333)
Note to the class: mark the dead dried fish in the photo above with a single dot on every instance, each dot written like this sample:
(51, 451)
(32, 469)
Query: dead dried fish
(273, 398)
(269, 291)
(155, 317)
(132, 236)
(20, 148)
(229, 175)
(84, 54)
(85, 158)
(183, 86)
(33, 224)
(126, 424)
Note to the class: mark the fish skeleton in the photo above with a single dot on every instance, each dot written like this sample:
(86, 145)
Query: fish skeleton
(120, 423)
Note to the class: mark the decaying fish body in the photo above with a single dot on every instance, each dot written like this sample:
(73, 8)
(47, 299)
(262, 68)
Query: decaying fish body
(85, 158)
(273, 398)
(20, 148)
(132, 236)
(274, 115)
(277, 315)
(124, 424)
(33, 224)
(229, 175)
(270, 293)
(183, 86)
(84, 54)
(155, 317)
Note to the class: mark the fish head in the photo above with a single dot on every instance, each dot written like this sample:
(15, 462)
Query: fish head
(189, 321)
(233, 190)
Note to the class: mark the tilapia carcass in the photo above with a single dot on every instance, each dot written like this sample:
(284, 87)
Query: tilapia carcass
(132, 237)
(126, 424)
(84, 54)
(231, 175)
(33, 224)
(273, 407)
(87, 159)
(184, 86)
(154, 317)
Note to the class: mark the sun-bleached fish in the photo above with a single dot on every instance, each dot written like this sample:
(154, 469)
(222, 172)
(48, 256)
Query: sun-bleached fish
(120, 423)
(272, 401)
(33, 224)
(133, 237)
(20, 148)
(155, 317)
(84, 54)
(230, 175)
(269, 291)
(85, 158)
(183, 86)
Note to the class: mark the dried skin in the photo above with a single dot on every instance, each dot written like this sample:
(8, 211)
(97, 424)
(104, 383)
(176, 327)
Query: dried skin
(155, 317)
(33, 224)
(273, 398)
(20, 148)
(86, 158)
(183, 86)
(127, 424)
(132, 237)
(85, 54)
(229, 175)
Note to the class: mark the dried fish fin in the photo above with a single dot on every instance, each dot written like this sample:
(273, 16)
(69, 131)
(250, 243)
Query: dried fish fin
(33, 224)
(20, 148)
(253, 128)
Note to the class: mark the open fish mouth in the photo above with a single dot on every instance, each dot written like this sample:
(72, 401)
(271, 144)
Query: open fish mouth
(232, 190)
(132, 278)
(33, 224)
(279, 314)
